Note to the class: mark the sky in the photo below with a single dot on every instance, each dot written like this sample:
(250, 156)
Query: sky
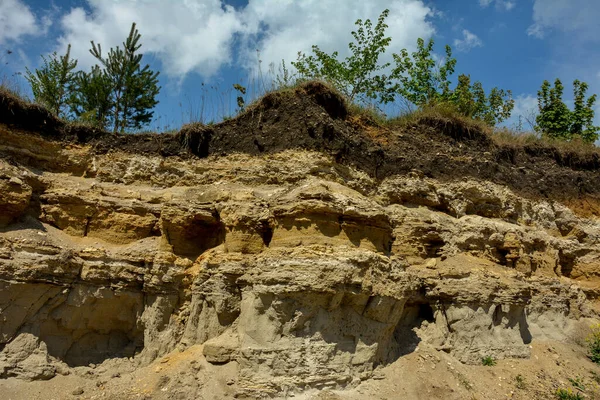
(203, 47)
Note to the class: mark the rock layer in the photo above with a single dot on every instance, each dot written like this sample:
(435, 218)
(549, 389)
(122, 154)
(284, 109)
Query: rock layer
(306, 272)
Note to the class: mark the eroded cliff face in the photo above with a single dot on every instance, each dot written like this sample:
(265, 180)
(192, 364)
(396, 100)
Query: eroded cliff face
(301, 271)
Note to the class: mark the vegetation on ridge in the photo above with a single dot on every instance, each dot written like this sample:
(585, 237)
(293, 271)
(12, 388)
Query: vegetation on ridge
(417, 78)
(119, 93)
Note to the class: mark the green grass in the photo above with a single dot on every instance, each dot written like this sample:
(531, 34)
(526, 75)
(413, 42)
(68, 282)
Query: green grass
(507, 137)
(445, 112)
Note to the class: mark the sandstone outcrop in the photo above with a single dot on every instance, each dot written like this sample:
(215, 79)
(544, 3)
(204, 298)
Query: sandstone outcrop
(304, 270)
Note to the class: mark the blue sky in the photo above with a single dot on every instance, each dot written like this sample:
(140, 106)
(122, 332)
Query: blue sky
(202, 47)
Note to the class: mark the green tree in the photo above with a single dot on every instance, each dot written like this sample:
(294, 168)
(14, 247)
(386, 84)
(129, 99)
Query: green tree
(91, 99)
(422, 80)
(471, 101)
(133, 88)
(52, 82)
(425, 82)
(555, 120)
(358, 75)
(417, 77)
(582, 117)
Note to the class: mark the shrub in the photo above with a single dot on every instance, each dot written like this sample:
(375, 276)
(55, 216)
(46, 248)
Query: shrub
(577, 383)
(593, 341)
(488, 361)
(418, 78)
(425, 82)
(567, 394)
(520, 382)
(53, 81)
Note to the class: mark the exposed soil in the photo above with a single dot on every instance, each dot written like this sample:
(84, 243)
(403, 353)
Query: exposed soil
(314, 117)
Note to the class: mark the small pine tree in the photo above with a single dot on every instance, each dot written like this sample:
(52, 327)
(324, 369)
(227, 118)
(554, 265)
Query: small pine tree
(52, 83)
(133, 88)
(91, 99)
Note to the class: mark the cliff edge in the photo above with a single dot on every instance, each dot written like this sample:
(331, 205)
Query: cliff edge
(295, 250)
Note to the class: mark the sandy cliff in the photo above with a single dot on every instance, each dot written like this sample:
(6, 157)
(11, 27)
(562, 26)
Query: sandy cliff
(292, 251)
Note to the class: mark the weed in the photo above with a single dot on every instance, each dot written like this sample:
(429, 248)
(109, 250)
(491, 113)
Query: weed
(464, 381)
(488, 361)
(595, 376)
(567, 394)
(510, 138)
(520, 382)
(593, 341)
(577, 383)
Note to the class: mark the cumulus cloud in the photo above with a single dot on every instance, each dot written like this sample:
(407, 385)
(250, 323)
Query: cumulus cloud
(468, 41)
(186, 35)
(202, 36)
(579, 16)
(285, 28)
(17, 20)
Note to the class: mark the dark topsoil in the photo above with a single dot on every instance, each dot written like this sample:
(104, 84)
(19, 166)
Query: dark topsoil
(314, 117)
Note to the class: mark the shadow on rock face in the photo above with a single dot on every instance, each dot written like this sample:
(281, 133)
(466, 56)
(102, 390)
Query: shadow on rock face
(86, 325)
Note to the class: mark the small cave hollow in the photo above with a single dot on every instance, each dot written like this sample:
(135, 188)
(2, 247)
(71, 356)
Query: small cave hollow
(566, 263)
(511, 316)
(500, 255)
(433, 247)
(195, 237)
(266, 233)
(405, 339)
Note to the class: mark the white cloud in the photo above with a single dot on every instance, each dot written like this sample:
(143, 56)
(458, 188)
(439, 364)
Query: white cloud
(579, 16)
(293, 28)
(17, 20)
(202, 35)
(468, 41)
(525, 104)
(505, 5)
(186, 35)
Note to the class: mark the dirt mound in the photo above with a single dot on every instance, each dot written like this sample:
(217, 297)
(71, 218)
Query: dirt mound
(309, 117)
(19, 114)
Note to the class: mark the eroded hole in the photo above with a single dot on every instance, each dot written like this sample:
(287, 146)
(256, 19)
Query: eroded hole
(266, 232)
(433, 247)
(566, 262)
(195, 237)
(405, 335)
